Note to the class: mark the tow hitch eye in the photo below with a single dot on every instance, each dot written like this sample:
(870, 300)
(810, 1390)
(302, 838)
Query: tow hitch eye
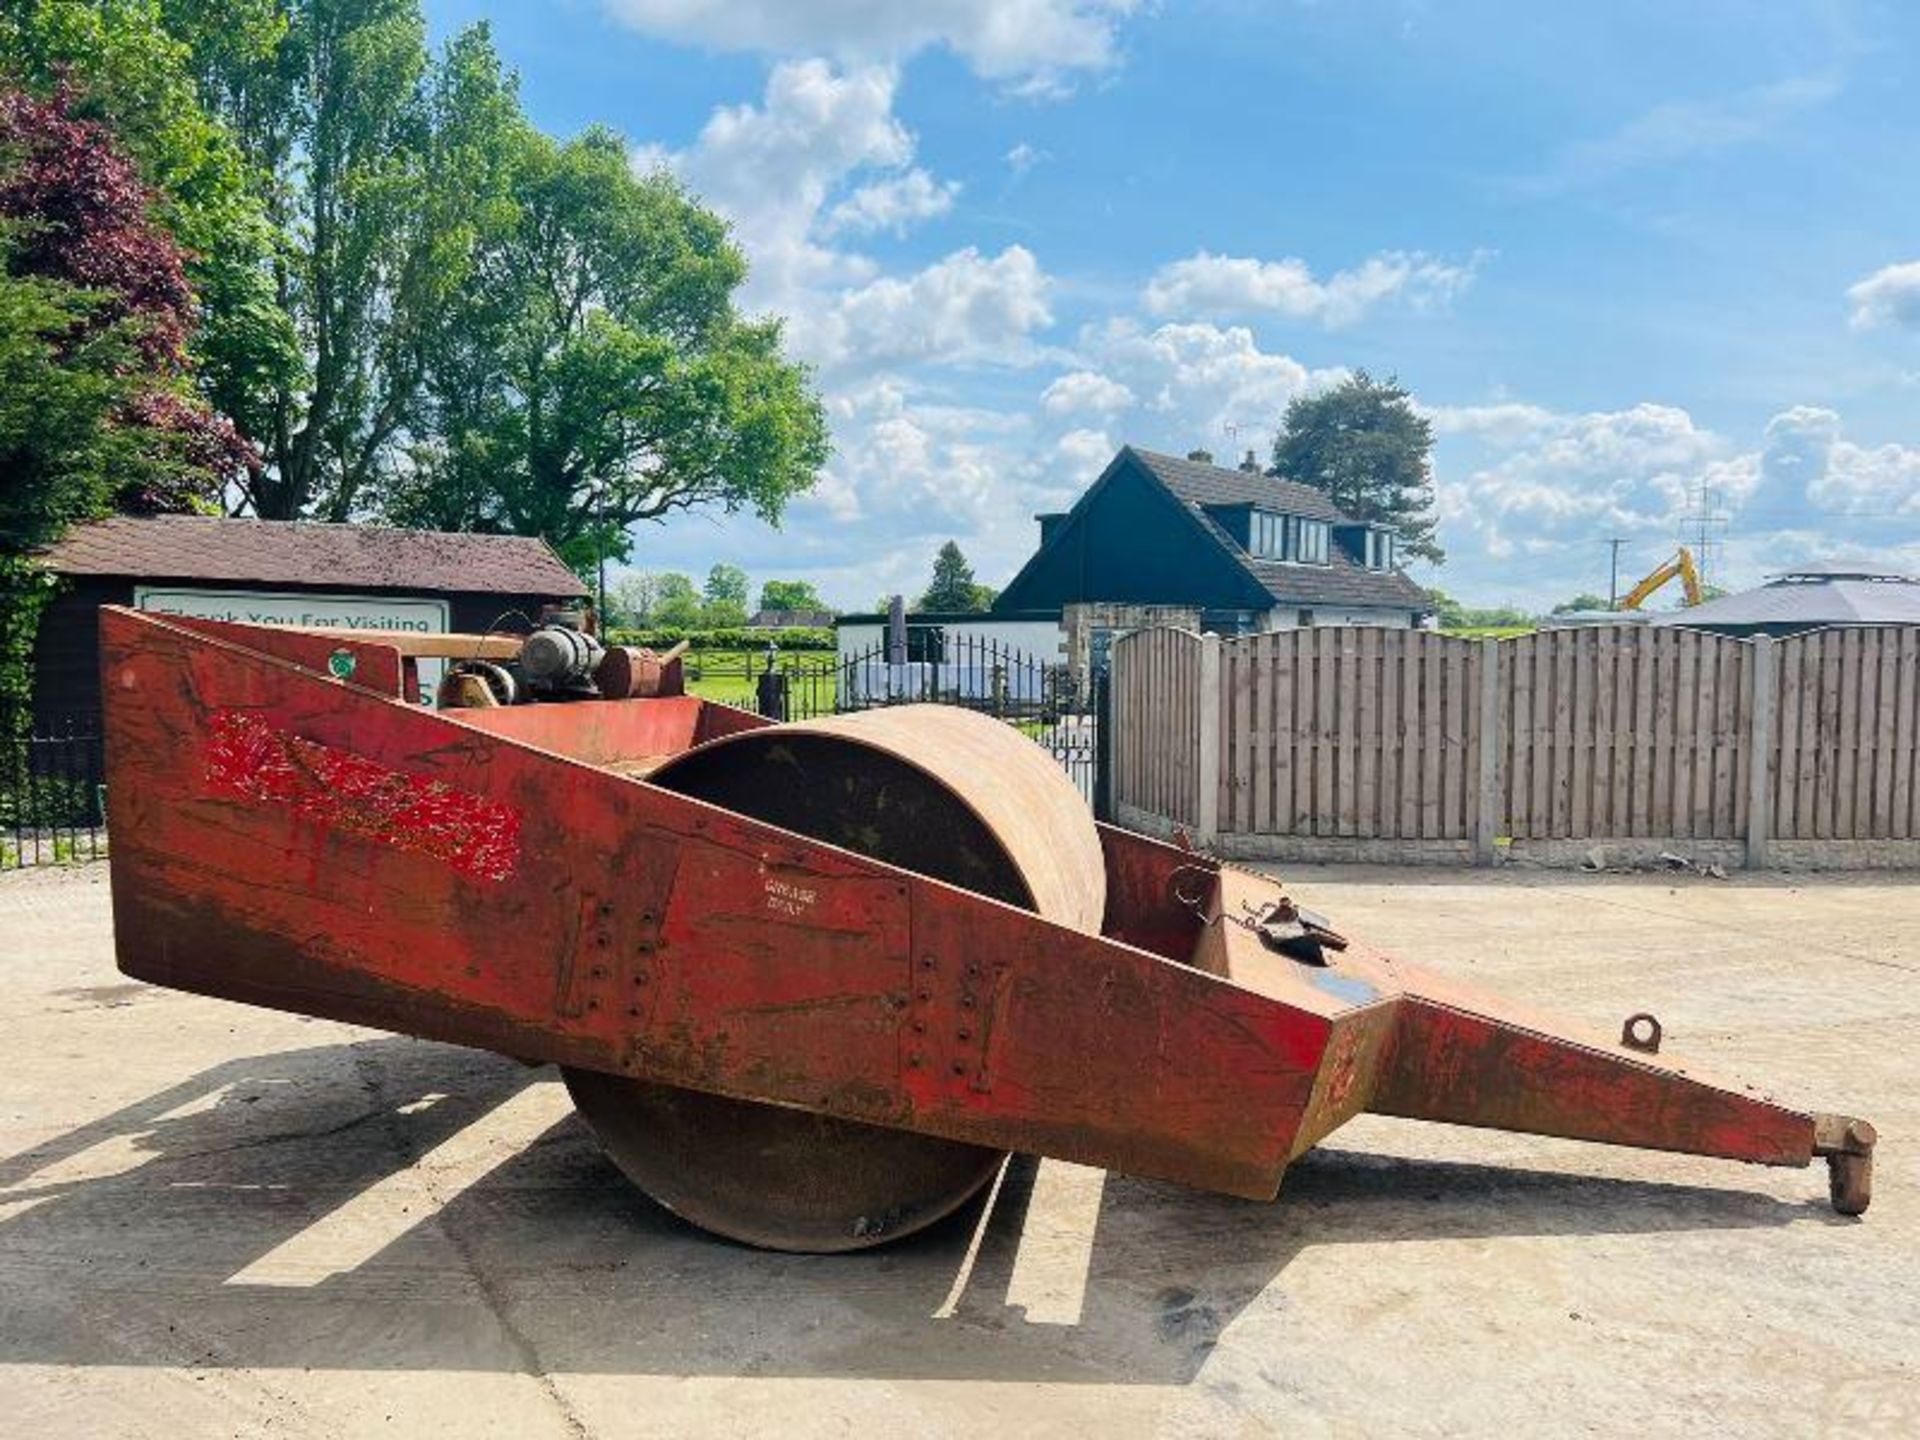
(1847, 1144)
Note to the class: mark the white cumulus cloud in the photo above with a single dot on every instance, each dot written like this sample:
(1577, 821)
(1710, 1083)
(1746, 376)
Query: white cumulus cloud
(1889, 296)
(893, 204)
(1577, 477)
(1197, 382)
(1081, 456)
(771, 168)
(966, 307)
(1208, 284)
(1033, 45)
(1085, 392)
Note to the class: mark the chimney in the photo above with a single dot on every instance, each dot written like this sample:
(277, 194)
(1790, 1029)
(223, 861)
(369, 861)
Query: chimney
(1250, 465)
(1050, 524)
(1200, 457)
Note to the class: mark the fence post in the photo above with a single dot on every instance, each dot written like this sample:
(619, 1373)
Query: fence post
(1760, 757)
(1486, 815)
(1103, 745)
(1206, 811)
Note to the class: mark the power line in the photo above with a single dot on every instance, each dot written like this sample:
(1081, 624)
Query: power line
(1704, 529)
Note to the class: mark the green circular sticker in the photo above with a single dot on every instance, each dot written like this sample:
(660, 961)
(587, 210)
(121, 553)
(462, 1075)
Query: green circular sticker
(341, 663)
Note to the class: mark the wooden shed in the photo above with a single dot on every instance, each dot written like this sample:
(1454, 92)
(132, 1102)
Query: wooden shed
(291, 572)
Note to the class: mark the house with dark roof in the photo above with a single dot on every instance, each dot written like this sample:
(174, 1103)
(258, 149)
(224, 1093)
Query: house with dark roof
(1807, 599)
(279, 572)
(1158, 539)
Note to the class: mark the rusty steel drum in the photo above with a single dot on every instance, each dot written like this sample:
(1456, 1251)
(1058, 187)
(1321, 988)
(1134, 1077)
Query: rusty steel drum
(953, 795)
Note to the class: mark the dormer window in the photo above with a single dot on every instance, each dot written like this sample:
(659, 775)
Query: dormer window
(1380, 548)
(1287, 537)
(1310, 539)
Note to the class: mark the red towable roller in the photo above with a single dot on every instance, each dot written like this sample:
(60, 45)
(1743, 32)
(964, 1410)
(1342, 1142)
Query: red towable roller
(808, 982)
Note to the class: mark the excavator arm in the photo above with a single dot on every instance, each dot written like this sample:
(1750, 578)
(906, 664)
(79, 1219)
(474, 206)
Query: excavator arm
(1682, 566)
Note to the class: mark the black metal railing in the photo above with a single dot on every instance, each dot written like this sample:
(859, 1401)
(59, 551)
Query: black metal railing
(1041, 698)
(53, 806)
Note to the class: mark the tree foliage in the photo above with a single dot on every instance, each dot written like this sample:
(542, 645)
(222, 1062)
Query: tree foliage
(116, 62)
(1364, 445)
(677, 604)
(1453, 615)
(725, 596)
(96, 411)
(601, 374)
(954, 588)
(504, 332)
(1585, 600)
(791, 595)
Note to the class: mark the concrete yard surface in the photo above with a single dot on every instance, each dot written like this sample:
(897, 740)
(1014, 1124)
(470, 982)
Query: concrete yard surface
(220, 1221)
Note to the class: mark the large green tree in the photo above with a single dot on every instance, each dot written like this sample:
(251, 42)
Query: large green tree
(953, 588)
(676, 602)
(1364, 444)
(725, 596)
(378, 168)
(96, 410)
(599, 374)
(495, 330)
(790, 595)
(119, 62)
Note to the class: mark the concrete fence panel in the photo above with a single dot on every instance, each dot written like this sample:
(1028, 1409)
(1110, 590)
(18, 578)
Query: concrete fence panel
(1363, 742)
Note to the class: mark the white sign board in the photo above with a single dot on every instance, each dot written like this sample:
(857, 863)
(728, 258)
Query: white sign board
(343, 612)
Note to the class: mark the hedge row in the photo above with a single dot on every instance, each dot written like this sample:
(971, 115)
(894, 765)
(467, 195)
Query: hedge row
(730, 637)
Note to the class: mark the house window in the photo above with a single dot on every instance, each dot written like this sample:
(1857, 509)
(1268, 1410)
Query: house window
(1268, 535)
(1309, 541)
(1287, 537)
(1380, 548)
(1306, 619)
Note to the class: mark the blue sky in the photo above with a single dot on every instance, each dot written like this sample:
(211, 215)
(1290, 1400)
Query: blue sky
(1619, 252)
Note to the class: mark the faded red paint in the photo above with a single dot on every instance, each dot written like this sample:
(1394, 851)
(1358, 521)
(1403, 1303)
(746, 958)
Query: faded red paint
(343, 791)
(655, 935)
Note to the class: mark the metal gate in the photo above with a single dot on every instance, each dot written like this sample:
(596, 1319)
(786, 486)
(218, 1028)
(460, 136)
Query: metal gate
(1039, 698)
(52, 795)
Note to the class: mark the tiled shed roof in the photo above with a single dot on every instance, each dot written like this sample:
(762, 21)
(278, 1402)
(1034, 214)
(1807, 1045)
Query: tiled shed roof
(306, 553)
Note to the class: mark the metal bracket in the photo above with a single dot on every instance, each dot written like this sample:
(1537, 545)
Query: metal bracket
(1642, 1032)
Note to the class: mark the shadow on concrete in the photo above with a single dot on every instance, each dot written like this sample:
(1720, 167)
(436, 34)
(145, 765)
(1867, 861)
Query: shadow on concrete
(148, 1237)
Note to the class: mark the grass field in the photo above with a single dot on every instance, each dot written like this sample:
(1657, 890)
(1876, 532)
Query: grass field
(1491, 632)
(732, 676)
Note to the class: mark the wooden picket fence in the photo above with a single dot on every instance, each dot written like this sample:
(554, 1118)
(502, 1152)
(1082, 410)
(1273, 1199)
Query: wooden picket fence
(1609, 733)
(1156, 723)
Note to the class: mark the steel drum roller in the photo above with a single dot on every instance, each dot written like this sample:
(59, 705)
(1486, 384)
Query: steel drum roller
(941, 791)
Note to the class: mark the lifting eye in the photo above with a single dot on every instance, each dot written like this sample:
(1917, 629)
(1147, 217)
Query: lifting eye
(1641, 1032)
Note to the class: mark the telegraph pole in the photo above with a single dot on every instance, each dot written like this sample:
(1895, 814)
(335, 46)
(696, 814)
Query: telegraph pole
(1613, 573)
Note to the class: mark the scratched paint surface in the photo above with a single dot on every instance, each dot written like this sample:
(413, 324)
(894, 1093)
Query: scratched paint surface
(249, 758)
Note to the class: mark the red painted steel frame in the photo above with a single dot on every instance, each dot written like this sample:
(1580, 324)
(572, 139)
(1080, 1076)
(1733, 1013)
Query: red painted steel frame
(285, 838)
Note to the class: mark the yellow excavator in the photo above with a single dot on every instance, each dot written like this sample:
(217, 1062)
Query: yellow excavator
(1681, 565)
